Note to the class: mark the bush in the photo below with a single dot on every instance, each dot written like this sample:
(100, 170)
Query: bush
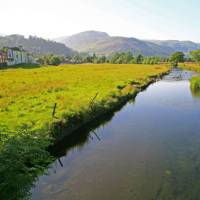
(22, 158)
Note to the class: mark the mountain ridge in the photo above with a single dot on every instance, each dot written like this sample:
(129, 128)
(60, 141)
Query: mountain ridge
(35, 45)
(102, 43)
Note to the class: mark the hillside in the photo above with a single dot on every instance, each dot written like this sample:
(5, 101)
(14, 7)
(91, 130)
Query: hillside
(81, 41)
(102, 43)
(176, 45)
(35, 45)
(122, 44)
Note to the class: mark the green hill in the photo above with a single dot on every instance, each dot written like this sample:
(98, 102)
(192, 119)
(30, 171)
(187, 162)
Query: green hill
(35, 45)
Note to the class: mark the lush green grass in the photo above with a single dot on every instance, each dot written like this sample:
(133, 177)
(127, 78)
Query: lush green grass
(195, 81)
(195, 86)
(190, 66)
(27, 96)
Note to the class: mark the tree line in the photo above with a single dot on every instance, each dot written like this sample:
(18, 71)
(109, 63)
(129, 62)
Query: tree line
(116, 58)
(120, 58)
(180, 57)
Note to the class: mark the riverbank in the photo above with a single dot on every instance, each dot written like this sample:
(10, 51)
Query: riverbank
(81, 93)
(195, 81)
(190, 66)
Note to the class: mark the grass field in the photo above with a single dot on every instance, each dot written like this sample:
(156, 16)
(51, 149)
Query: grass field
(190, 66)
(195, 86)
(27, 96)
(195, 81)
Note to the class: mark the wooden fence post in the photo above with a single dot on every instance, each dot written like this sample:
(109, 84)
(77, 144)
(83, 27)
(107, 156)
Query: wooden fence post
(92, 101)
(54, 110)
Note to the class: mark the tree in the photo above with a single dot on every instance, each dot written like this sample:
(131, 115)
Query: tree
(50, 60)
(139, 59)
(101, 59)
(177, 57)
(94, 58)
(123, 58)
(55, 60)
(114, 58)
(128, 58)
(195, 55)
(40, 60)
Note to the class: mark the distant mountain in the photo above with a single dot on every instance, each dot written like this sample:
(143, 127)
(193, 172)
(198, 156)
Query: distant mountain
(102, 43)
(122, 44)
(35, 45)
(81, 41)
(176, 45)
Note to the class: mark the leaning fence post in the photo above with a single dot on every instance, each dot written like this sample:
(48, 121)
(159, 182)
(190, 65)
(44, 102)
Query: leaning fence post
(92, 101)
(54, 110)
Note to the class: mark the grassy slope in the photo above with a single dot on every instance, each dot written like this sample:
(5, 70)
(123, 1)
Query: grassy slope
(27, 96)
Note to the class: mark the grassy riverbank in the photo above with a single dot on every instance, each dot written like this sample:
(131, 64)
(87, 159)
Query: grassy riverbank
(195, 81)
(27, 98)
(195, 86)
(190, 66)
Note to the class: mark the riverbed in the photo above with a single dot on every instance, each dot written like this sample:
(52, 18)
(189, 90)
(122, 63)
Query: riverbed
(149, 149)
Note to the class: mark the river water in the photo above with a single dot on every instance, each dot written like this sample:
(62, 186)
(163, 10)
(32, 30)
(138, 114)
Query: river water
(148, 150)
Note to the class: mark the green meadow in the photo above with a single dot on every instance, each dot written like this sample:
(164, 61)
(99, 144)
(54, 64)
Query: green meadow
(195, 86)
(195, 81)
(190, 66)
(27, 96)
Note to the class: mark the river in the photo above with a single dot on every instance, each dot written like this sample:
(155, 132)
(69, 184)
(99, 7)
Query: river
(148, 150)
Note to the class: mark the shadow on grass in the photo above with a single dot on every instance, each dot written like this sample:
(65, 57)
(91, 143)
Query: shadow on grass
(21, 66)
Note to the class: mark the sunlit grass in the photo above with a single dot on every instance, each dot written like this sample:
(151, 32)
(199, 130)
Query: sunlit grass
(191, 66)
(27, 96)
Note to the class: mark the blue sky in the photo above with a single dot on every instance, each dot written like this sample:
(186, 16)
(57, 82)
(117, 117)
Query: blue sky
(145, 19)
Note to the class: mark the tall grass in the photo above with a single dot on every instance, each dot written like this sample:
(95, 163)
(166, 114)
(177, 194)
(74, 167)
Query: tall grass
(27, 96)
(190, 66)
(195, 86)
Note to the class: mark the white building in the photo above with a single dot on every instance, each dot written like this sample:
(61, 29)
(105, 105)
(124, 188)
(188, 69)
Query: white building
(17, 55)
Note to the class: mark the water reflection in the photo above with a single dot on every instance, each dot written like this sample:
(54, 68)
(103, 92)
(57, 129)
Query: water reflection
(179, 75)
(81, 137)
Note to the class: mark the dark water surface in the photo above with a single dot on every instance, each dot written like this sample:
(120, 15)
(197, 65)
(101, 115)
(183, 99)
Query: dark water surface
(148, 150)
